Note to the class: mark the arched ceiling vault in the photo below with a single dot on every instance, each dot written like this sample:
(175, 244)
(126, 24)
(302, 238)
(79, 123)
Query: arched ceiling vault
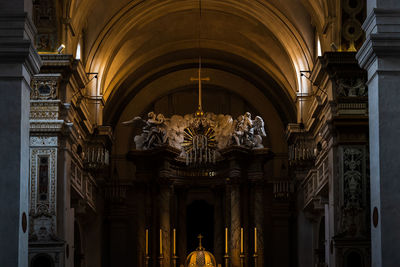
(131, 43)
(242, 69)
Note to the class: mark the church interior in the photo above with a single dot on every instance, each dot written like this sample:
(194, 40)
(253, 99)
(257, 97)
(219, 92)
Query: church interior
(155, 133)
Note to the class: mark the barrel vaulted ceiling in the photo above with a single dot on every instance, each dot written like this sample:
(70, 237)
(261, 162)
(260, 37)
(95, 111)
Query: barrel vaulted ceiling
(257, 46)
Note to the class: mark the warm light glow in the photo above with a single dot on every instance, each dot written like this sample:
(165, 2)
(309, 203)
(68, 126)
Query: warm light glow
(78, 51)
(319, 50)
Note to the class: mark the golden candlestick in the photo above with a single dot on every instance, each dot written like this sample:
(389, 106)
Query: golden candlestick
(226, 256)
(255, 240)
(161, 251)
(147, 242)
(174, 237)
(226, 240)
(241, 240)
(255, 256)
(147, 257)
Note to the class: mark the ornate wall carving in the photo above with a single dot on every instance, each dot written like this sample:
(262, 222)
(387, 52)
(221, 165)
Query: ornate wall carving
(43, 178)
(351, 87)
(45, 87)
(38, 141)
(353, 191)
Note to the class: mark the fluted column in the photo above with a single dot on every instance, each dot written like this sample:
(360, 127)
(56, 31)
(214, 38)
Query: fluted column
(18, 62)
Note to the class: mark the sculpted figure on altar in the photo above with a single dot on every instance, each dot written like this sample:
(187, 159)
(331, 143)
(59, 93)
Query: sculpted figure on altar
(248, 132)
(158, 130)
(153, 131)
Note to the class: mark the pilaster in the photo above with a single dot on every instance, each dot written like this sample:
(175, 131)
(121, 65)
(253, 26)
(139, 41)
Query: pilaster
(380, 56)
(18, 62)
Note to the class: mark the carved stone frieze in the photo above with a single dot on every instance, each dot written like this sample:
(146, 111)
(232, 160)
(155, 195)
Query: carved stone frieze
(351, 87)
(46, 125)
(45, 109)
(40, 141)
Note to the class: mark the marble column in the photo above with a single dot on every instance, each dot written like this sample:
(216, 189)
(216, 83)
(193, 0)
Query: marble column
(380, 56)
(235, 225)
(257, 192)
(164, 205)
(219, 232)
(141, 226)
(18, 62)
(181, 229)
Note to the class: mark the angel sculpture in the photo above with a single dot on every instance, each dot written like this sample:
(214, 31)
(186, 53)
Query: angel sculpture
(153, 134)
(258, 132)
(249, 132)
(238, 133)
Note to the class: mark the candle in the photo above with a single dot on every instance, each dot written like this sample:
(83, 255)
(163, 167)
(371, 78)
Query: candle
(147, 242)
(174, 241)
(255, 240)
(161, 252)
(226, 240)
(241, 240)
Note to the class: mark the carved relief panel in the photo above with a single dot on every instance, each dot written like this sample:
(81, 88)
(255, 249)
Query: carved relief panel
(43, 178)
(353, 187)
(45, 87)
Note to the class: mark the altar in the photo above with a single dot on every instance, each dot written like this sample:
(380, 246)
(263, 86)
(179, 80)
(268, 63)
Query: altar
(197, 173)
(208, 180)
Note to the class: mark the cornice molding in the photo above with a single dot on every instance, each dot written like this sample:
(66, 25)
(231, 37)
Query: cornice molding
(16, 44)
(383, 37)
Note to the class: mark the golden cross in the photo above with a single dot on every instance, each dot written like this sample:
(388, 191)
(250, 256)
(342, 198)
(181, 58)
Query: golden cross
(200, 237)
(199, 79)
